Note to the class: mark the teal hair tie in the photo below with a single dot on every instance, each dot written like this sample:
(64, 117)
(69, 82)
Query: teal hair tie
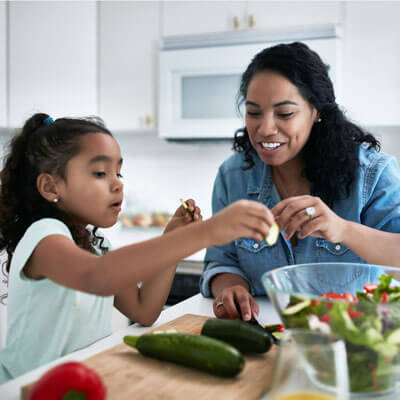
(48, 121)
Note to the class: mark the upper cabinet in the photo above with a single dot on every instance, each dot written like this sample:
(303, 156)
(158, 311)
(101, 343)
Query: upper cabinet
(193, 17)
(372, 62)
(3, 64)
(52, 59)
(265, 15)
(128, 33)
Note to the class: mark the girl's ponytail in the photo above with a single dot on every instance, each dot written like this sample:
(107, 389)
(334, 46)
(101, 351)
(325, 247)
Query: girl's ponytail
(14, 181)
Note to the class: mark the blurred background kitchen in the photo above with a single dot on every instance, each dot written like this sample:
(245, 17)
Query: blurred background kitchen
(116, 59)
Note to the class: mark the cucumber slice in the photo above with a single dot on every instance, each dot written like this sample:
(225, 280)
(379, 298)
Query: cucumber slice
(272, 235)
(186, 207)
(394, 337)
(297, 307)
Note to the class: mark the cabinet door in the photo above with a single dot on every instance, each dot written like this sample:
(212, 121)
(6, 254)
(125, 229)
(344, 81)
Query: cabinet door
(285, 14)
(129, 34)
(192, 17)
(3, 64)
(53, 55)
(371, 57)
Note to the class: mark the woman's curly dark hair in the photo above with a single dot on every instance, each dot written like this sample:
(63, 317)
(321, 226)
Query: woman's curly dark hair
(331, 152)
(40, 147)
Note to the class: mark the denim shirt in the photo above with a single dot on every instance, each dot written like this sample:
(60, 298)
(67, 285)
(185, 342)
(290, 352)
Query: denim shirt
(374, 201)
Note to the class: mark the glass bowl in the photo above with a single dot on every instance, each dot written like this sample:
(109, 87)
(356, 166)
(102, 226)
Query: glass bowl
(360, 304)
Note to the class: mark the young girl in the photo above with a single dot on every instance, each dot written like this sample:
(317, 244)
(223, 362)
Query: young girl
(59, 177)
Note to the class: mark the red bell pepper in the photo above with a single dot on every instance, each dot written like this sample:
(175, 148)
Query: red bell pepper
(71, 380)
(349, 297)
(325, 318)
(384, 297)
(332, 295)
(355, 314)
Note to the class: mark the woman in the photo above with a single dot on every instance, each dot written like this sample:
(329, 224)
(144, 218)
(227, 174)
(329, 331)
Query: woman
(334, 196)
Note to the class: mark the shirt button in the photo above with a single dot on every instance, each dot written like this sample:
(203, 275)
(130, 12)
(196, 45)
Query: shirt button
(255, 246)
(338, 247)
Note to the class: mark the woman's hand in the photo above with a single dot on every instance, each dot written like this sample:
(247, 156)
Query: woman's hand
(182, 217)
(235, 301)
(244, 218)
(310, 216)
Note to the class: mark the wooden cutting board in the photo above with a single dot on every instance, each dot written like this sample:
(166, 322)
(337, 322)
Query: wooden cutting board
(129, 375)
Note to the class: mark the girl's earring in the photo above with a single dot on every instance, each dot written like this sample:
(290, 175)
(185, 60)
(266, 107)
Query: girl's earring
(319, 120)
(55, 200)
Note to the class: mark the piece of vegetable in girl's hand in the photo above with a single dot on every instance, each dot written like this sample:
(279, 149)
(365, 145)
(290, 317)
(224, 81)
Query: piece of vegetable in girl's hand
(186, 207)
(71, 380)
(272, 235)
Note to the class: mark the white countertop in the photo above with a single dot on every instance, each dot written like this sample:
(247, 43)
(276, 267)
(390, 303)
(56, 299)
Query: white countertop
(194, 305)
(120, 236)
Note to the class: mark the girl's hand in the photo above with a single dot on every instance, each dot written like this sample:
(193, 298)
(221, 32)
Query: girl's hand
(244, 218)
(235, 301)
(310, 216)
(182, 217)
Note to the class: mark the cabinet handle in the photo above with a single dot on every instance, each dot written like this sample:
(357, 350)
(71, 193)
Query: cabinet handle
(148, 120)
(235, 22)
(252, 22)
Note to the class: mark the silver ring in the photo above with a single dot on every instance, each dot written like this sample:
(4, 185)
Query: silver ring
(219, 304)
(310, 211)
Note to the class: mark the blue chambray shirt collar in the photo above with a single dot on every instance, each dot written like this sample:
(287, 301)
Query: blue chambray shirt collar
(260, 183)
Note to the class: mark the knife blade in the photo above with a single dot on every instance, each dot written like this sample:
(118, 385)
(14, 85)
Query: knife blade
(256, 323)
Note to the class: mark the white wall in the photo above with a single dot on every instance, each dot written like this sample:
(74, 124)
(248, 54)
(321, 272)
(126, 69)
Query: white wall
(157, 173)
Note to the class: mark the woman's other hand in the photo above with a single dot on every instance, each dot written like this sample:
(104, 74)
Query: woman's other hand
(244, 218)
(310, 216)
(235, 301)
(182, 217)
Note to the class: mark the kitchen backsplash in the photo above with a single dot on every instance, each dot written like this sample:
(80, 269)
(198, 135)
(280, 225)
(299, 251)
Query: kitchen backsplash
(157, 173)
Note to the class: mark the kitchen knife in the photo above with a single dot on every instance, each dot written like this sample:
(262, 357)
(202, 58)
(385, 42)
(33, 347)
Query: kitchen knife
(254, 321)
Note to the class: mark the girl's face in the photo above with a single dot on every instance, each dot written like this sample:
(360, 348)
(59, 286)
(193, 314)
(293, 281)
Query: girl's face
(92, 191)
(278, 118)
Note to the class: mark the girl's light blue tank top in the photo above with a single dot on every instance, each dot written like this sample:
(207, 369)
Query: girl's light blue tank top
(46, 320)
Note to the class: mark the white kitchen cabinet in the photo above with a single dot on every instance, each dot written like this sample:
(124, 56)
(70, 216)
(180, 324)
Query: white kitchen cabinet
(129, 39)
(372, 62)
(52, 59)
(3, 63)
(194, 17)
(268, 15)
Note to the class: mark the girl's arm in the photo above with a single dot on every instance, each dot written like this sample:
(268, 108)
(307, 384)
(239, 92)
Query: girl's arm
(59, 259)
(144, 304)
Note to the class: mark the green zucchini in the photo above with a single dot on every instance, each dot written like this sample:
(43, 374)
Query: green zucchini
(196, 351)
(245, 337)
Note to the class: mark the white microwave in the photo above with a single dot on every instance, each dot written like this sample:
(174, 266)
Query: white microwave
(199, 77)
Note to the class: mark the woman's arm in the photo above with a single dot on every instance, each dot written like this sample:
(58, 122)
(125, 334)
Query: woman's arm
(374, 246)
(223, 281)
(232, 295)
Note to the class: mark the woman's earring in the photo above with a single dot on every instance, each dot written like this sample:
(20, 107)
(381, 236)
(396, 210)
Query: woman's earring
(55, 200)
(319, 120)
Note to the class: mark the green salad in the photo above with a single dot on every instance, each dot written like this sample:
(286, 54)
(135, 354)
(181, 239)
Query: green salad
(368, 322)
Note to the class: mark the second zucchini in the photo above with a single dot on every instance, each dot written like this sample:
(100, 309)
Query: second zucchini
(245, 337)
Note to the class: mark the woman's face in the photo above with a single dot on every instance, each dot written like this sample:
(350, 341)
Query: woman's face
(278, 118)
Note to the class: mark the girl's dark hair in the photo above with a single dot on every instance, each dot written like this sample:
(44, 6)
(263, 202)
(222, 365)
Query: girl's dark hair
(331, 152)
(40, 147)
